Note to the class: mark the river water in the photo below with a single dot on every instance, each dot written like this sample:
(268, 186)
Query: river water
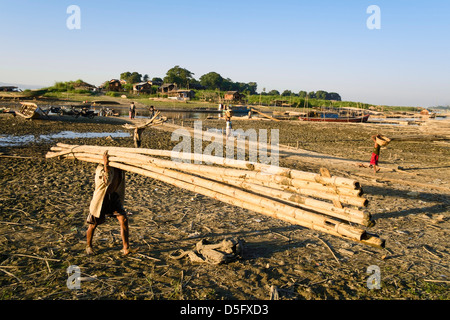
(12, 140)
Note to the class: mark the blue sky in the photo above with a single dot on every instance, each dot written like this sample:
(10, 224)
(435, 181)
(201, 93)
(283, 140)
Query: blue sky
(284, 44)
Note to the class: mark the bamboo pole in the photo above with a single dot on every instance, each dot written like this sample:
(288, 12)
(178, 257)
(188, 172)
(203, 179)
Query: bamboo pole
(288, 182)
(285, 184)
(341, 194)
(260, 167)
(241, 198)
(264, 115)
(274, 209)
(258, 200)
(162, 153)
(293, 215)
(279, 172)
(279, 175)
(348, 214)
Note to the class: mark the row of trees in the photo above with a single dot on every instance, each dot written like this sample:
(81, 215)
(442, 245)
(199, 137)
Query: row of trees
(214, 81)
(321, 95)
(185, 79)
(135, 77)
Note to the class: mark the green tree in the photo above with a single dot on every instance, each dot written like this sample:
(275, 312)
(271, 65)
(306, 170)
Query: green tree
(182, 77)
(157, 81)
(251, 87)
(320, 94)
(211, 80)
(131, 78)
(273, 93)
(302, 94)
(286, 93)
(333, 96)
(229, 85)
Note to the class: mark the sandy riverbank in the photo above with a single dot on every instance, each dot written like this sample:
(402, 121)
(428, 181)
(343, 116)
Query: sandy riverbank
(44, 204)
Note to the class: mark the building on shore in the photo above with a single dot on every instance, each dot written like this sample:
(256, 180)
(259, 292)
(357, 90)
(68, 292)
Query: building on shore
(143, 87)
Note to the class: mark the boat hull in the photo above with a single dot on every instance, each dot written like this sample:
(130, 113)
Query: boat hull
(29, 110)
(342, 119)
(238, 110)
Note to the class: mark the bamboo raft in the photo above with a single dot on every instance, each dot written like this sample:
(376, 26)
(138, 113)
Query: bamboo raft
(318, 201)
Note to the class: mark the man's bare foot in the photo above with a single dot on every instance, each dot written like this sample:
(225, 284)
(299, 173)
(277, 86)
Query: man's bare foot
(90, 251)
(125, 251)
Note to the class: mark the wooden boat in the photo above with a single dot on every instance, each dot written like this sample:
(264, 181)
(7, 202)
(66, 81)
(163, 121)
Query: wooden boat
(7, 110)
(238, 110)
(336, 119)
(30, 110)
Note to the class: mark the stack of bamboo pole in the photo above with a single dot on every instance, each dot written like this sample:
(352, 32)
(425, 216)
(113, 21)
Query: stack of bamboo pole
(317, 201)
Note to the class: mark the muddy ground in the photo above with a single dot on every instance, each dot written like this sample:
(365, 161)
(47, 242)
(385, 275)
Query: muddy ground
(44, 204)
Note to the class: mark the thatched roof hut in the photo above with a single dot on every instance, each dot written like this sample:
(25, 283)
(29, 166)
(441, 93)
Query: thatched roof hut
(233, 96)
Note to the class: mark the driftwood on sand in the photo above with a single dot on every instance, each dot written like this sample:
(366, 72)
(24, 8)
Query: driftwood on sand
(138, 128)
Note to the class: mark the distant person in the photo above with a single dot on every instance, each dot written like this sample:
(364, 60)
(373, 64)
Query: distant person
(221, 110)
(152, 111)
(132, 111)
(375, 154)
(228, 126)
(107, 201)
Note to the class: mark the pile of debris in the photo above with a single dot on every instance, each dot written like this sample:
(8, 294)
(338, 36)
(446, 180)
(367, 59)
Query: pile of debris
(205, 252)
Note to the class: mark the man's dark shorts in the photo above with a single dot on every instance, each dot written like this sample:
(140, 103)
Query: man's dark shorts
(111, 207)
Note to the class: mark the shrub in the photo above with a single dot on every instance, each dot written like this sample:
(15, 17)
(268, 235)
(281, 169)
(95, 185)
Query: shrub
(113, 94)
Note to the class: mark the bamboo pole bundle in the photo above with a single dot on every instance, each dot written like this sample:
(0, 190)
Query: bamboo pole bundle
(293, 196)
(287, 184)
(233, 163)
(237, 197)
(248, 188)
(343, 194)
(67, 148)
(348, 214)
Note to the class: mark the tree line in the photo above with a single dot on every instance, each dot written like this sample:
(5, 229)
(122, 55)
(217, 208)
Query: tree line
(320, 94)
(214, 81)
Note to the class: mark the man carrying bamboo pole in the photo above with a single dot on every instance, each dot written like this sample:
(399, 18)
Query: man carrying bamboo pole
(107, 200)
(375, 154)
